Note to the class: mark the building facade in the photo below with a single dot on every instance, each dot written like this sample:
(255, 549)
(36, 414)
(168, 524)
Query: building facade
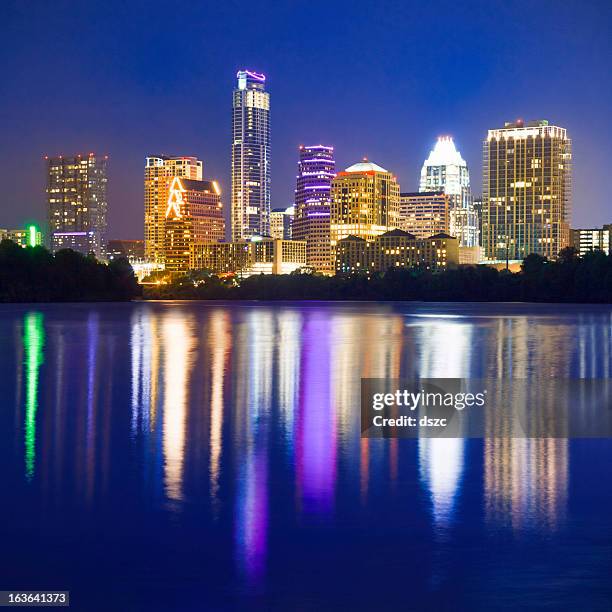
(250, 209)
(365, 202)
(28, 237)
(526, 190)
(316, 170)
(396, 249)
(247, 257)
(596, 239)
(132, 250)
(77, 203)
(281, 223)
(445, 170)
(160, 170)
(194, 215)
(425, 214)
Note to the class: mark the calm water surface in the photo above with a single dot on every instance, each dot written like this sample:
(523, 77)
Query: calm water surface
(192, 456)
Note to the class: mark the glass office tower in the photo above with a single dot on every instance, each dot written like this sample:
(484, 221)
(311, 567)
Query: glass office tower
(316, 169)
(250, 211)
(526, 190)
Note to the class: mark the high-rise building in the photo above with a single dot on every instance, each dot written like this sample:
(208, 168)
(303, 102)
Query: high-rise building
(316, 170)
(76, 198)
(160, 170)
(281, 223)
(194, 215)
(596, 239)
(445, 170)
(365, 202)
(526, 190)
(425, 213)
(250, 212)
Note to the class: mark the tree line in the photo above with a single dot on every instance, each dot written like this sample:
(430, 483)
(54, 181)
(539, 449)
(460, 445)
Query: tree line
(33, 274)
(569, 278)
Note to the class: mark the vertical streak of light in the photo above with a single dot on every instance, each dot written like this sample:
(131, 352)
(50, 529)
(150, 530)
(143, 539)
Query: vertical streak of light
(252, 496)
(178, 346)
(445, 353)
(136, 334)
(33, 342)
(219, 342)
(316, 424)
(92, 350)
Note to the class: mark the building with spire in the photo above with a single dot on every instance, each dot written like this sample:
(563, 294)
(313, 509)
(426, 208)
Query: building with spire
(250, 208)
(445, 170)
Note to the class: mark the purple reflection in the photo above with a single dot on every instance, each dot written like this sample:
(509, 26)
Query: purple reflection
(252, 516)
(316, 422)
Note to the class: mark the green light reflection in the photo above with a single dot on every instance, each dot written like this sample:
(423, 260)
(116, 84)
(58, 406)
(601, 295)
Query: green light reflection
(33, 342)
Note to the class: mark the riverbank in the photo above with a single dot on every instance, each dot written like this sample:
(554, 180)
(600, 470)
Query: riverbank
(570, 279)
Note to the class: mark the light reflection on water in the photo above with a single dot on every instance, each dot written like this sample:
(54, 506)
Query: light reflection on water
(248, 415)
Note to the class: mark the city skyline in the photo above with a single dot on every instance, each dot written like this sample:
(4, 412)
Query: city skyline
(128, 114)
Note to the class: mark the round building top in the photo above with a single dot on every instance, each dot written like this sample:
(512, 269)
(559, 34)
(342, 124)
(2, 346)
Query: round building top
(365, 166)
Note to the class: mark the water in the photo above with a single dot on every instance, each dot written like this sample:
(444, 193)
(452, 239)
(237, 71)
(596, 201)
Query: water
(191, 456)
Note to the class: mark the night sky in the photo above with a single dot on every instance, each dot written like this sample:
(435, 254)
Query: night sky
(381, 79)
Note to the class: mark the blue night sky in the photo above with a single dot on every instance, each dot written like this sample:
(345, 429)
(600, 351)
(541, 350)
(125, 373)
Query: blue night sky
(381, 79)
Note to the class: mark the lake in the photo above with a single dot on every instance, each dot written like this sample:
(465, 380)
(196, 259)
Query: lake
(195, 456)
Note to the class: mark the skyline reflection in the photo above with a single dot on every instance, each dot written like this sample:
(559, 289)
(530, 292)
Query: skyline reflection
(247, 417)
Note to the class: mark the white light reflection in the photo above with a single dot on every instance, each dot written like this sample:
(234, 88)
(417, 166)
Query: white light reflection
(444, 352)
(178, 340)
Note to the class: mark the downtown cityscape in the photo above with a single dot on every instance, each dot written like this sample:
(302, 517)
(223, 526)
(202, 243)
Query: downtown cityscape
(352, 220)
(306, 305)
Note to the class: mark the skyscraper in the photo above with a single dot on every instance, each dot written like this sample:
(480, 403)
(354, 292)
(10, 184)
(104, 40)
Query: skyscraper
(194, 215)
(365, 202)
(316, 169)
(250, 212)
(159, 172)
(76, 198)
(526, 190)
(445, 170)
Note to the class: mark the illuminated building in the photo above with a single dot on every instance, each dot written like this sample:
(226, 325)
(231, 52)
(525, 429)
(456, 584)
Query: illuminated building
(526, 190)
(281, 223)
(396, 249)
(76, 199)
(194, 215)
(445, 170)
(27, 237)
(250, 212)
(316, 169)
(365, 202)
(424, 214)
(585, 240)
(261, 256)
(470, 256)
(132, 250)
(159, 172)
